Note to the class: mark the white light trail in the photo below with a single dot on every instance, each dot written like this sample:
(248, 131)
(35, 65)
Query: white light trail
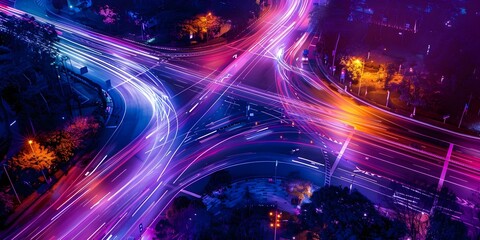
(306, 164)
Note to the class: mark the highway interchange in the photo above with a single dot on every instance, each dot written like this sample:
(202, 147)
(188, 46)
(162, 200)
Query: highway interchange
(250, 106)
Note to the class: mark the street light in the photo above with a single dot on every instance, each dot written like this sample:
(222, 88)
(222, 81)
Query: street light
(36, 159)
(355, 171)
(351, 184)
(276, 164)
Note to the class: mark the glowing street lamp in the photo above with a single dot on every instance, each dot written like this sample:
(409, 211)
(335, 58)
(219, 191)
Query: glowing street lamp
(351, 184)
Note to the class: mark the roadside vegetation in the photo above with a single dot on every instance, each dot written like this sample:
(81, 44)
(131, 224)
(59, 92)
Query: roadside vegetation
(182, 22)
(422, 52)
(41, 122)
(232, 210)
(331, 213)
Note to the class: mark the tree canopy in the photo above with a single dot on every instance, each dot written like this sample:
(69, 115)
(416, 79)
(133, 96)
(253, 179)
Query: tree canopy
(62, 143)
(34, 156)
(443, 227)
(186, 218)
(201, 26)
(217, 180)
(334, 213)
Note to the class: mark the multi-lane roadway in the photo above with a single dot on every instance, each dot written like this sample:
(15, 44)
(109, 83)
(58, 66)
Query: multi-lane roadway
(185, 113)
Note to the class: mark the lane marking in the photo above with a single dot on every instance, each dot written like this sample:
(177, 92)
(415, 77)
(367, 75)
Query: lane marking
(458, 178)
(416, 165)
(383, 154)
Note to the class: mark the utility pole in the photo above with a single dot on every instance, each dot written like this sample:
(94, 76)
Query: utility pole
(360, 79)
(465, 109)
(11, 183)
(469, 100)
(275, 220)
(36, 159)
(351, 184)
(388, 97)
(276, 164)
(335, 53)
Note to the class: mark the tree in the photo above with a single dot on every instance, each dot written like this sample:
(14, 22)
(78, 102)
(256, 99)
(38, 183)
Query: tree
(109, 16)
(80, 128)
(443, 227)
(246, 221)
(336, 9)
(30, 42)
(417, 92)
(36, 157)
(221, 225)
(299, 188)
(217, 180)
(413, 88)
(293, 226)
(354, 67)
(336, 214)
(61, 143)
(186, 29)
(413, 220)
(315, 16)
(32, 50)
(202, 26)
(249, 223)
(446, 200)
(189, 218)
(164, 229)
